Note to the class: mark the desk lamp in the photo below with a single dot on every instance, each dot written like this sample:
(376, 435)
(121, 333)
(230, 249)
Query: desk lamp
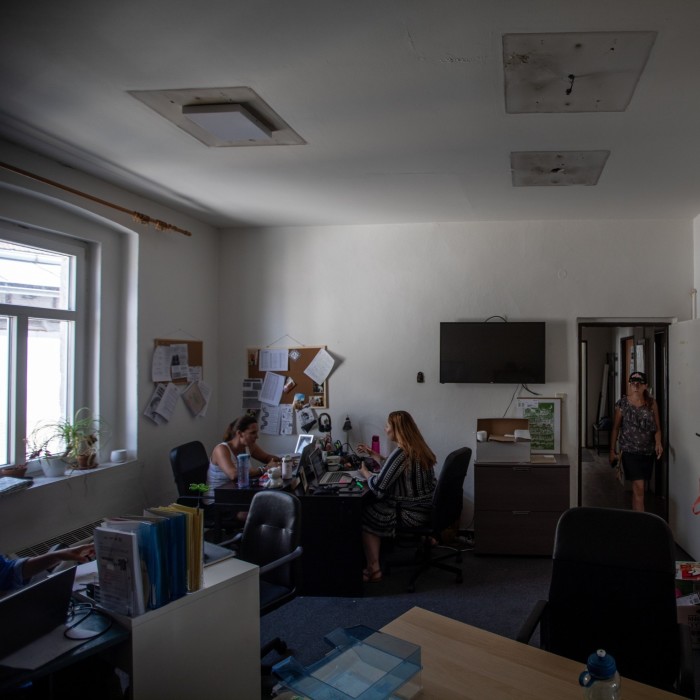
(347, 427)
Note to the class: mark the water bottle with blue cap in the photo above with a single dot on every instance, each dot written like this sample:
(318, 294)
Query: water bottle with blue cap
(600, 680)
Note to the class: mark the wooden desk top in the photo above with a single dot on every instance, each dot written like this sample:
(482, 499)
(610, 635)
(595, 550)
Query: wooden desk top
(461, 661)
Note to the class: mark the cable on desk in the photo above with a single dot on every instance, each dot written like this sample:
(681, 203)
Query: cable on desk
(85, 610)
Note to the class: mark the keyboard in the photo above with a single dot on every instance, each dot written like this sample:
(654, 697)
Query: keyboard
(335, 478)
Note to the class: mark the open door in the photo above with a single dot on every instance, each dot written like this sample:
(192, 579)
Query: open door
(684, 434)
(613, 349)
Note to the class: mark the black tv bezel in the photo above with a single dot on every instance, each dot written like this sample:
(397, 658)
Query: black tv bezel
(537, 378)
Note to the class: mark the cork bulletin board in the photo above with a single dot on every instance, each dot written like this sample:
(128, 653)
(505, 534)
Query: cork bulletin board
(299, 358)
(195, 354)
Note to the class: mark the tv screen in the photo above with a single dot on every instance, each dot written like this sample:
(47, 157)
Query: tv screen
(477, 352)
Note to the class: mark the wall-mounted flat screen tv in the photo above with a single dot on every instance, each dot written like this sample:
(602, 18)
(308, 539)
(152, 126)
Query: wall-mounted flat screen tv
(476, 352)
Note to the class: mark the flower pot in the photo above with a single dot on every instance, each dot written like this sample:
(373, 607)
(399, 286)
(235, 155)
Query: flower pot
(86, 461)
(17, 471)
(53, 466)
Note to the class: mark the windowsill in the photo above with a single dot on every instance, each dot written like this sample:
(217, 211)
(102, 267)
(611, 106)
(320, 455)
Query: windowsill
(39, 479)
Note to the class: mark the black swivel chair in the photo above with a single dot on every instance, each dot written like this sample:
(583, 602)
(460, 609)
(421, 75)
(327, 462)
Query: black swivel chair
(613, 588)
(271, 539)
(447, 507)
(190, 463)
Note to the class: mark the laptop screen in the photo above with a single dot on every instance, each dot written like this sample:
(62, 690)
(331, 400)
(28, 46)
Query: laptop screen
(317, 463)
(33, 611)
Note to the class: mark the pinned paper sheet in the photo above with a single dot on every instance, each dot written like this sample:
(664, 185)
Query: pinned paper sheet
(320, 367)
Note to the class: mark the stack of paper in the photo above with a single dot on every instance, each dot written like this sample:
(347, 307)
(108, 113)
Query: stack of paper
(10, 484)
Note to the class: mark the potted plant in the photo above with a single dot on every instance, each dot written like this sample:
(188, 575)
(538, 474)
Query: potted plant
(75, 439)
(37, 449)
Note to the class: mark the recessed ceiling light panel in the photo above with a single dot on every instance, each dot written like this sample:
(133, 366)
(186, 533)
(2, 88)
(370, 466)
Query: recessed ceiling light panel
(228, 122)
(221, 117)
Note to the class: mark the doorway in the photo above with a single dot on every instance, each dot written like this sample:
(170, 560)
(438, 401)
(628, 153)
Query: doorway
(609, 350)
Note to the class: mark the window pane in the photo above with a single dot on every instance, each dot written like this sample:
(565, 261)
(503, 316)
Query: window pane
(35, 277)
(49, 355)
(4, 389)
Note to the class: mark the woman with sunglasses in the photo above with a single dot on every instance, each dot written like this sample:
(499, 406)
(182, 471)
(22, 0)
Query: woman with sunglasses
(638, 428)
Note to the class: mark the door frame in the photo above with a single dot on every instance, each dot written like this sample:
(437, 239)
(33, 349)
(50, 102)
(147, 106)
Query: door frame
(660, 339)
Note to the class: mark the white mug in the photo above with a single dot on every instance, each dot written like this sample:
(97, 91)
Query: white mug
(117, 456)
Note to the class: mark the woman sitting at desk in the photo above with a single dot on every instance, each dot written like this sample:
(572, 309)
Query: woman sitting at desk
(241, 436)
(406, 478)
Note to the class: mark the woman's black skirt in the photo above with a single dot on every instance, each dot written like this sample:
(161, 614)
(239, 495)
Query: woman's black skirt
(637, 466)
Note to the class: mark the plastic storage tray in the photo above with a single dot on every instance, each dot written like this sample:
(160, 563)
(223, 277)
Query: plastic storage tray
(364, 665)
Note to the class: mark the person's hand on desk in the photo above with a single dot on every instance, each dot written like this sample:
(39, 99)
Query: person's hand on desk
(366, 473)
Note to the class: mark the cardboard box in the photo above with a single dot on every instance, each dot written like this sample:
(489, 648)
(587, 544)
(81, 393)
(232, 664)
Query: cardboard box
(502, 443)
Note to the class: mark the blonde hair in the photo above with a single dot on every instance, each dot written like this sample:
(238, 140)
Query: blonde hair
(410, 440)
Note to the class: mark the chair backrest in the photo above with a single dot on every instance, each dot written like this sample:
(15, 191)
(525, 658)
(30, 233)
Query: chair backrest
(273, 530)
(449, 497)
(613, 587)
(189, 463)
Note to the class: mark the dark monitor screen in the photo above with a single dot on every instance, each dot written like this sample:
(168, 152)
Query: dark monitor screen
(492, 353)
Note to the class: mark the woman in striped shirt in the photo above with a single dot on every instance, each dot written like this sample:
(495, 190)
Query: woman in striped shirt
(406, 478)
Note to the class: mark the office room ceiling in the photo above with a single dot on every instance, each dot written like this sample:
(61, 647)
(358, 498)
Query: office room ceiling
(398, 107)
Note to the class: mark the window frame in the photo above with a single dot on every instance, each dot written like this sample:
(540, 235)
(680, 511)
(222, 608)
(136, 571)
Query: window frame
(79, 375)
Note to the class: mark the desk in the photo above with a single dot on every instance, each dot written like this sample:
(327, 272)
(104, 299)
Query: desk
(331, 535)
(461, 661)
(13, 678)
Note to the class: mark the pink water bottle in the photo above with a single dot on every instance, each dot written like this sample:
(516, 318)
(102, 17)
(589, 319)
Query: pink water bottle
(375, 444)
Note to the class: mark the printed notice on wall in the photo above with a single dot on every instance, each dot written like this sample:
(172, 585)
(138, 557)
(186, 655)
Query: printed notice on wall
(544, 423)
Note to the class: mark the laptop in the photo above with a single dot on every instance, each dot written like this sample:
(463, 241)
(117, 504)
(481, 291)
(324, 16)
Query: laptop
(322, 476)
(33, 611)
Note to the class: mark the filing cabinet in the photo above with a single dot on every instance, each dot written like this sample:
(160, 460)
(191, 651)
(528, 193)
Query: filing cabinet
(517, 505)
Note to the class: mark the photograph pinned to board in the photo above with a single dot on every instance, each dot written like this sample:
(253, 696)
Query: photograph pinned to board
(544, 419)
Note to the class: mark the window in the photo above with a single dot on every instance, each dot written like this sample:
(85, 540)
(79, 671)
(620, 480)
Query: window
(42, 300)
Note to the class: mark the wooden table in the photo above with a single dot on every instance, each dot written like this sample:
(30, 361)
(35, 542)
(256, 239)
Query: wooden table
(461, 661)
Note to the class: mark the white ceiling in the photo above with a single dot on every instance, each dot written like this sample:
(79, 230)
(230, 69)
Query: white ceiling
(400, 102)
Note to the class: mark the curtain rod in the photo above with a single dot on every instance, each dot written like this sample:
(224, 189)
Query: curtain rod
(136, 216)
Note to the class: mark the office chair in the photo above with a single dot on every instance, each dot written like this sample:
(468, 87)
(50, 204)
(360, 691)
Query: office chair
(190, 463)
(447, 507)
(613, 588)
(271, 539)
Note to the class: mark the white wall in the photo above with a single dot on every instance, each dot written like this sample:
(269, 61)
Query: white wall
(376, 294)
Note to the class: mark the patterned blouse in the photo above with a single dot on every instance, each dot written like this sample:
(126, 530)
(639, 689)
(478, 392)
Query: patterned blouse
(638, 429)
(398, 481)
